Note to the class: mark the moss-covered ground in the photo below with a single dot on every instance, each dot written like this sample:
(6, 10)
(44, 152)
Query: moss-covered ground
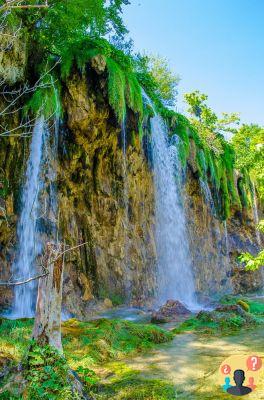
(91, 348)
(99, 351)
(226, 322)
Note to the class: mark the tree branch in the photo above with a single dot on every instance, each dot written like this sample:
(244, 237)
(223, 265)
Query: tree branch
(42, 275)
(23, 282)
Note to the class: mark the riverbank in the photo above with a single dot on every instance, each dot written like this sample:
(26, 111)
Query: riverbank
(124, 360)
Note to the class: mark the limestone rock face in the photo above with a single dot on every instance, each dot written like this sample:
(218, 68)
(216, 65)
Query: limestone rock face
(215, 246)
(13, 55)
(105, 201)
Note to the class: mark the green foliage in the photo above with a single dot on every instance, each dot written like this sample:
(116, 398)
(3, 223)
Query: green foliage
(215, 157)
(47, 374)
(66, 22)
(252, 263)
(248, 142)
(225, 322)
(88, 376)
(160, 78)
(45, 99)
(116, 89)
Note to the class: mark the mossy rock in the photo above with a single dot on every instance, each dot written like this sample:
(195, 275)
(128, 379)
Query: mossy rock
(244, 305)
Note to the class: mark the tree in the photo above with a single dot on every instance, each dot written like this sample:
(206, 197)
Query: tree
(157, 78)
(210, 127)
(248, 142)
(252, 263)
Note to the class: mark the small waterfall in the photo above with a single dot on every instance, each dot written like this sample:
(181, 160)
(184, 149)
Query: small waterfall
(207, 195)
(37, 209)
(218, 239)
(175, 276)
(255, 213)
(28, 242)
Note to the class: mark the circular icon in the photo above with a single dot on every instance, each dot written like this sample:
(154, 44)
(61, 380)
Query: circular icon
(254, 363)
(226, 369)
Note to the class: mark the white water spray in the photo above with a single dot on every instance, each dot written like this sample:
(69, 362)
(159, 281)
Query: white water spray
(175, 275)
(29, 244)
(36, 207)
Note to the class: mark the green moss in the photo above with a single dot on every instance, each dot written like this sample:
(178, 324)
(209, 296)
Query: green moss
(131, 386)
(225, 322)
(85, 344)
(256, 307)
(243, 304)
(102, 340)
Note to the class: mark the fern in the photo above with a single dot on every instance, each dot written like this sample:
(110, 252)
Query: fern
(134, 94)
(45, 99)
(116, 89)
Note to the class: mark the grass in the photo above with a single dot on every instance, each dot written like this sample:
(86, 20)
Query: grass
(227, 322)
(86, 345)
(99, 341)
(129, 385)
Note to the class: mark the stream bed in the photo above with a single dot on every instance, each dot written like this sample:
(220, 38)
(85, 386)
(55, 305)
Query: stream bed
(191, 362)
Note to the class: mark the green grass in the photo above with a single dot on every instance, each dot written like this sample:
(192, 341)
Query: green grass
(225, 323)
(86, 345)
(129, 385)
(95, 342)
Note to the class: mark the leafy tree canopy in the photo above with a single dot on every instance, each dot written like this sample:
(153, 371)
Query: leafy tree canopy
(156, 75)
(211, 128)
(253, 263)
(248, 142)
(68, 21)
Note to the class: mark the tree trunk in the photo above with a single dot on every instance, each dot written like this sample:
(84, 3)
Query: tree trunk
(47, 327)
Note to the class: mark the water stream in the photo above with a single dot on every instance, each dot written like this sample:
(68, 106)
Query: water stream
(175, 277)
(37, 219)
(191, 363)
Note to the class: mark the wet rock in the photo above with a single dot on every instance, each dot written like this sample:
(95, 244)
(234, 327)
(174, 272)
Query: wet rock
(98, 63)
(170, 312)
(233, 308)
(108, 303)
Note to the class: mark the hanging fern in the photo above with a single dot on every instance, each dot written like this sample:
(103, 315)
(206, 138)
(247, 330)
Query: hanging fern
(116, 89)
(134, 94)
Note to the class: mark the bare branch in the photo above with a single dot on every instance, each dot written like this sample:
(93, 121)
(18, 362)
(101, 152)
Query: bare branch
(9, 283)
(23, 282)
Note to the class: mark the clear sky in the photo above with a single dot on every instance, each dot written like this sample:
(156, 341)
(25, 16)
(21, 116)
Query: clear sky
(216, 46)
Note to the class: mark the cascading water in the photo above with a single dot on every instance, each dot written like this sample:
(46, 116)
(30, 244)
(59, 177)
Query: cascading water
(175, 275)
(35, 208)
(255, 214)
(207, 195)
(217, 238)
(28, 242)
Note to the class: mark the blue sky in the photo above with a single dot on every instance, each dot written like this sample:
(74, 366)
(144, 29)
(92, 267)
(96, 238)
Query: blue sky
(216, 46)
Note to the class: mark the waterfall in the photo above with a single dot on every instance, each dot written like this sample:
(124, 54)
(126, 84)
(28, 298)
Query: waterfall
(36, 210)
(255, 214)
(207, 195)
(175, 275)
